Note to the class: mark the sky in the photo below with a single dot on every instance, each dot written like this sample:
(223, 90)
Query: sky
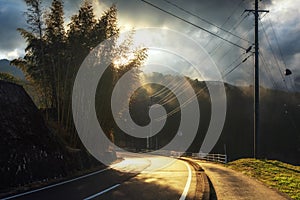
(279, 33)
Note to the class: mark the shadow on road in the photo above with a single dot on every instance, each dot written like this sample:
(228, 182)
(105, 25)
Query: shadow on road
(143, 188)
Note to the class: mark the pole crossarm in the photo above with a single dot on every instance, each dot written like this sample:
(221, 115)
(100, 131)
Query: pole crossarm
(249, 10)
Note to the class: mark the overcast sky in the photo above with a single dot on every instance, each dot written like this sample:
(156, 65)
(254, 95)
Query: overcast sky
(283, 20)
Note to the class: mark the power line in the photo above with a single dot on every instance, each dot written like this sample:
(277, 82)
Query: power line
(268, 70)
(227, 52)
(163, 90)
(228, 18)
(234, 10)
(166, 101)
(187, 102)
(206, 21)
(233, 28)
(197, 26)
(276, 39)
(273, 53)
(180, 87)
(280, 52)
(230, 71)
(265, 14)
(287, 112)
(228, 67)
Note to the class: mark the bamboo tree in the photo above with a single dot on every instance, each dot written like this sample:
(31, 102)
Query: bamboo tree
(55, 51)
(33, 63)
(53, 57)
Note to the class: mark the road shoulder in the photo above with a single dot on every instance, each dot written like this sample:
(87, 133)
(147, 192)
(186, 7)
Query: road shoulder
(230, 184)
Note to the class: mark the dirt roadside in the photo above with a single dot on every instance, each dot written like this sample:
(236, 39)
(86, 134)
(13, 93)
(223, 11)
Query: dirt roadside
(232, 185)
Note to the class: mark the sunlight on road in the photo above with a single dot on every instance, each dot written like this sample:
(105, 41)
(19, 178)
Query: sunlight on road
(141, 163)
(132, 165)
(155, 172)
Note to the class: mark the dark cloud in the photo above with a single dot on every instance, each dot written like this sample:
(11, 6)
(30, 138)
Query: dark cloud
(11, 18)
(138, 14)
(284, 39)
(212, 10)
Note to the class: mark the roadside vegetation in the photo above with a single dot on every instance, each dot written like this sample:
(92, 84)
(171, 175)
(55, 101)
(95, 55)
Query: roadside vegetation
(281, 176)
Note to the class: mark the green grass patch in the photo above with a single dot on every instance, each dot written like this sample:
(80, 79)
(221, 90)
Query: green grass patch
(281, 176)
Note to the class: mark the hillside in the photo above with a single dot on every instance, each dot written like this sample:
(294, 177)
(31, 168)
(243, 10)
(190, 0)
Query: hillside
(5, 67)
(279, 138)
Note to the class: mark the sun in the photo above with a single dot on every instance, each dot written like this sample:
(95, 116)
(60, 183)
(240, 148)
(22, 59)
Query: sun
(123, 60)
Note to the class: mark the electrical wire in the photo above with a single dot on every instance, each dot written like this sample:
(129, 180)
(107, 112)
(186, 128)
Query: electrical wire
(273, 53)
(234, 10)
(228, 18)
(205, 20)
(197, 26)
(213, 51)
(280, 52)
(227, 52)
(234, 68)
(164, 89)
(187, 102)
(268, 70)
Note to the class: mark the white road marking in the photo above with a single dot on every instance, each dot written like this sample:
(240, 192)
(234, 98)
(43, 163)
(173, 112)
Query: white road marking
(54, 185)
(102, 192)
(183, 195)
(188, 183)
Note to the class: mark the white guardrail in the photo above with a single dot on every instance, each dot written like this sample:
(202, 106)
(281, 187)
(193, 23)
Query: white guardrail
(221, 158)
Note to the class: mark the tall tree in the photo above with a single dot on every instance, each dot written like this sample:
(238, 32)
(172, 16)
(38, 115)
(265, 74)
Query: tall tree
(80, 32)
(33, 63)
(55, 37)
(107, 26)
(35, 17)
(53, 57)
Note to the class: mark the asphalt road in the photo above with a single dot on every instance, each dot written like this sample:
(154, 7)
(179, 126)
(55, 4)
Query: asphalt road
(136, 177)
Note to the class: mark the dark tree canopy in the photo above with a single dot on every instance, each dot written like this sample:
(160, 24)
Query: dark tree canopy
(54, 54)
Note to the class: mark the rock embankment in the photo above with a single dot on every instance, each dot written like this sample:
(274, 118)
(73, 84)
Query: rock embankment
(29, 150)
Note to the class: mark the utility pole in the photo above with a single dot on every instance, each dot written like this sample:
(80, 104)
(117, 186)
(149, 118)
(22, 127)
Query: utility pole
(256, 12)
(149, 137)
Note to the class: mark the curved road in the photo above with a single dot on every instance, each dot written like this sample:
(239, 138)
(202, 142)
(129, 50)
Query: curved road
(135, 177)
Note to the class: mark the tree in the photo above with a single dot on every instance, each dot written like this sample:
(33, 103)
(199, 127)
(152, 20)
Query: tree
(9, 77)
(33, 63)
(35, 17)
(54, 55)
(55, 37)
(80, 33)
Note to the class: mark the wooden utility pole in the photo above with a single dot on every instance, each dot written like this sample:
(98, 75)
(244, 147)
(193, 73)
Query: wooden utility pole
(256, 12)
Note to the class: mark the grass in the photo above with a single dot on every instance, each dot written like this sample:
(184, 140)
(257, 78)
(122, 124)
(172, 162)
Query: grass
(281, 176)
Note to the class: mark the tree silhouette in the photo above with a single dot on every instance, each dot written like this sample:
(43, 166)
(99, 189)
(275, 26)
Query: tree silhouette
(54, 55)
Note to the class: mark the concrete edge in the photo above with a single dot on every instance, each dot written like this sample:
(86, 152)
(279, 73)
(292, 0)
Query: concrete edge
(203, 186)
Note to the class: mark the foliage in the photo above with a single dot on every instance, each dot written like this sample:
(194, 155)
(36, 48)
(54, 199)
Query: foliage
(8, 77)
(54, 55)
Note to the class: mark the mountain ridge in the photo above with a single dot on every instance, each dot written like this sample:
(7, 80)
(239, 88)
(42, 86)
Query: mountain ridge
(5, 67)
